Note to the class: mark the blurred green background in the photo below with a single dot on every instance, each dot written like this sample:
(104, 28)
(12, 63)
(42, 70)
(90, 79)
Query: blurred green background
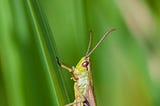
(126, 66)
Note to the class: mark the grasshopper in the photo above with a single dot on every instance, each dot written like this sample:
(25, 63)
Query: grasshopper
(82, 76)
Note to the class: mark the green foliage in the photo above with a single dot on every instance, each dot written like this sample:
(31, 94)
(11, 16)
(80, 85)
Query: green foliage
(125, 66)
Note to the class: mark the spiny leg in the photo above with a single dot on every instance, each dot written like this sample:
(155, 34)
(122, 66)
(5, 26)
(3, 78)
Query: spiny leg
(81, 99)
(76, 102)
(70, 70)
(64, 66)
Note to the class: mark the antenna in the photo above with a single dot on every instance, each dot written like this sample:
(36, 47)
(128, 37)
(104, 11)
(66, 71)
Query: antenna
(90, 42)
(100, 41)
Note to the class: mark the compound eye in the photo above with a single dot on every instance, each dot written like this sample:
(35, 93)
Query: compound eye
(85, 64)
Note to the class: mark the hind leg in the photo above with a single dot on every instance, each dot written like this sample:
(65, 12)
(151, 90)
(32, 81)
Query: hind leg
(79, 100)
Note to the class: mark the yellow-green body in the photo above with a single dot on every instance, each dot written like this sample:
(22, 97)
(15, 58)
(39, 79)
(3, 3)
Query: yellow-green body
(81, 85)
(82, 75)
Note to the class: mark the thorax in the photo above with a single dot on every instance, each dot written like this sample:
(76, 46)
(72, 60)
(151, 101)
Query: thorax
(83, 82)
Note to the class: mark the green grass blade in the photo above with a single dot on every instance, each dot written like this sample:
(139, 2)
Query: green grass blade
(29, 72)
(48, 49)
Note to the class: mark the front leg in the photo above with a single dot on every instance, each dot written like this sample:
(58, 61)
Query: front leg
(70, 70)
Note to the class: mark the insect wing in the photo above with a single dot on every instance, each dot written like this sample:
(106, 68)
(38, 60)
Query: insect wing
(90, 91)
